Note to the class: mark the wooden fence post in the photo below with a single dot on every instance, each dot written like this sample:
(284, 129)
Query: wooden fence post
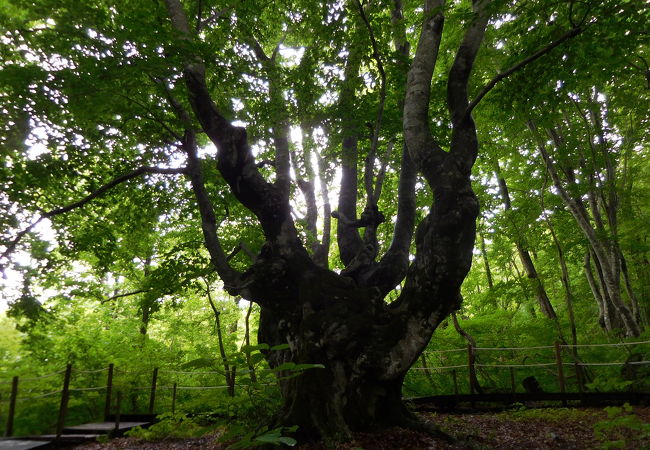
(109, 390)
(174, 398)
(453, 374)
(579, 376)
(12, 407)
(63, 408)
(470, 369)
(560, 369)
(152, 398)
(118, 401)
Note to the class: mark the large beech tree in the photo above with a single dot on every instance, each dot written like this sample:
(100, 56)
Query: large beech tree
(383, 94)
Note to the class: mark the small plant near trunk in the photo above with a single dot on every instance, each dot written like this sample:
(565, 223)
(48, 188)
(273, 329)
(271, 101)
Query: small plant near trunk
(620, 426)
(170, 426)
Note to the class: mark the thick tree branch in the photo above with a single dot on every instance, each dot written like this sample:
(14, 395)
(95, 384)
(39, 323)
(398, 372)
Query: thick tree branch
(348, 237)
(235, 159)
(305, 179)
(373, 196)
(322, 255)
(488, 87)
(464, 62)
(417, 134)
(78, 204)
(393, 265)
(445, 237)
(209, 226)
(381, 175)
(279, 118)
(231, 277)
(464, 141)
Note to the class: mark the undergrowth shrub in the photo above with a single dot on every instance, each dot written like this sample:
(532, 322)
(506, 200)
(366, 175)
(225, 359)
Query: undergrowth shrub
(172, 426)
(621, 426)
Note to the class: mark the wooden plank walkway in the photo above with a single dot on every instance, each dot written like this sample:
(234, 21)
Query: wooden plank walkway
(22, 444)
(104, 427)
(77, 434)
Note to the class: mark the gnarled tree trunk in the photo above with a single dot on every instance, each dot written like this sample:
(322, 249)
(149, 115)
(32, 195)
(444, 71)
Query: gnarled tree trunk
(341, 320)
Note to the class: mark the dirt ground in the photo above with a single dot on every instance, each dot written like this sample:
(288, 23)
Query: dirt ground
(553, 428)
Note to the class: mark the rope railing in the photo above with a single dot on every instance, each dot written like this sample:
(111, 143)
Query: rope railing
(33, 397)
(41, 377)
(509, 349)
(120, 379)
(104, 369)
(451, 350)
(460, 366)
(96, 388)
(516, 365)
(631, 363)
(618, 344)
(537, 347)
(201, 387)
(198, 372)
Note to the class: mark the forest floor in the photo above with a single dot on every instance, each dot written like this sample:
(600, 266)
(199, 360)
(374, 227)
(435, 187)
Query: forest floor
(548, 428)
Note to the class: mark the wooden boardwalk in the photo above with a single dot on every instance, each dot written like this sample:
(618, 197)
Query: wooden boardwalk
(78, 434)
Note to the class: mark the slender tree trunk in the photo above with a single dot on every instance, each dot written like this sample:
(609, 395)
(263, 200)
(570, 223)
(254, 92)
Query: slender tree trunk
(636, 311)
(472, 356)
(566, 284)
(229, 372)
(486, 262)
(524, 287)
(247, 342)
(604, 320)
(145, 301)
(543, 301)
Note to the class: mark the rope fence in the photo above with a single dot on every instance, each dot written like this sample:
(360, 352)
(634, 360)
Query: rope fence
(103, 369)
(546, 357)
(619, 344)
(33, 397)
(510, 349)
(42, 377)
(197, 372)
(120, 380)
(516, 365)
(451, 350)
(538, 347)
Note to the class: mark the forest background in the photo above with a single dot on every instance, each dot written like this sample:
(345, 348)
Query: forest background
(115, 270)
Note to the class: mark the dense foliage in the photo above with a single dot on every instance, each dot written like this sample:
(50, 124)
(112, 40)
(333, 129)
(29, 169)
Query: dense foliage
(102, 138)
